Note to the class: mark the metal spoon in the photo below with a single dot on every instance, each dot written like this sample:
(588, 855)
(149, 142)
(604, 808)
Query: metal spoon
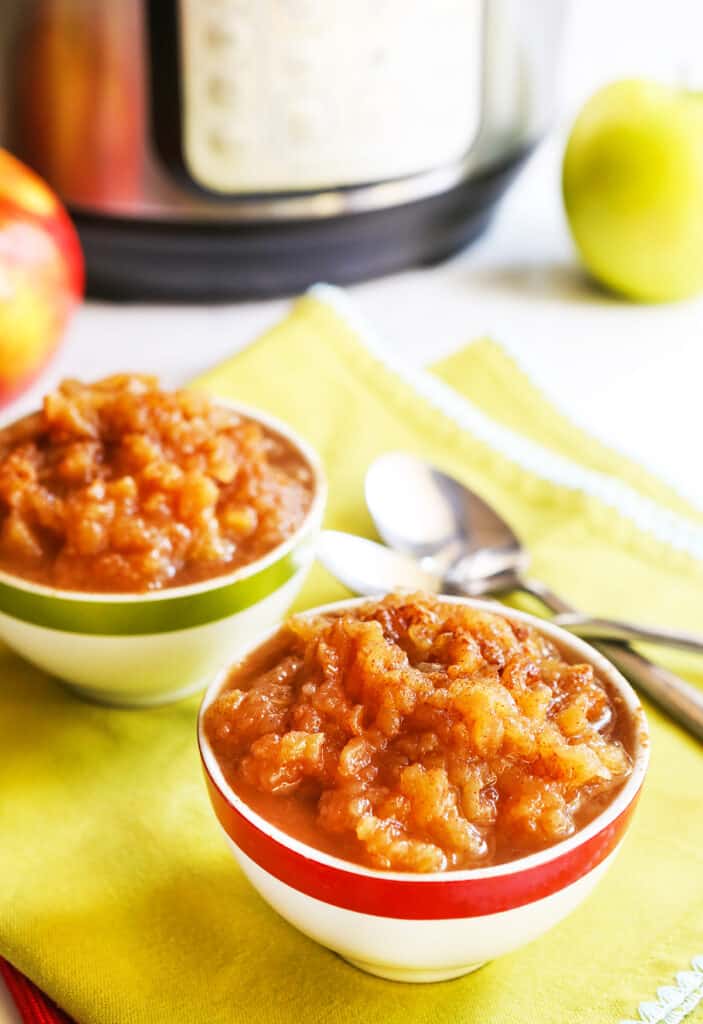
(366, 567)
(453, 533)
(432, 517)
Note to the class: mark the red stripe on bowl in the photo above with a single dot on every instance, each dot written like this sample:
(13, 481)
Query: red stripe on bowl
(449, 897)
(33, 1006)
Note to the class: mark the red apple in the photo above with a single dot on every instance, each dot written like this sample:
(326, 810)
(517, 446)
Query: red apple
(41, 274)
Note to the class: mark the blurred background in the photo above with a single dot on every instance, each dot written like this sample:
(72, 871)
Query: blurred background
(611, 362)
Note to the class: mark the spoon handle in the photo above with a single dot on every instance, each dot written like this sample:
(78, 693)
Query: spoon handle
(680, 700)
(676, 697)
(617, 629)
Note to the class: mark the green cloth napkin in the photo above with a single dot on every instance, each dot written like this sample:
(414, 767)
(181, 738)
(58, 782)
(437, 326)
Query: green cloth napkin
(119, 897)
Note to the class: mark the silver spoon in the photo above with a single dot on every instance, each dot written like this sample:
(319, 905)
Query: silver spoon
(435, 519)
(453, 533)
(366, 567)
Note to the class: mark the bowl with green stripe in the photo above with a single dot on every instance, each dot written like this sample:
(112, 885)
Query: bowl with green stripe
(142, 649)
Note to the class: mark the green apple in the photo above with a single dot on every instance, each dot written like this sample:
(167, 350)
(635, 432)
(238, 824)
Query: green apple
(633, 189)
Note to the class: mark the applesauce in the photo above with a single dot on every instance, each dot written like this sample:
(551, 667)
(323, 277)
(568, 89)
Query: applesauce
(118, 486)
(415, 734)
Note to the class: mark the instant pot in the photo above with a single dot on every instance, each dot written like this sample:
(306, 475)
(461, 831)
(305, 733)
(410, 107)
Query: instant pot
(230, 148)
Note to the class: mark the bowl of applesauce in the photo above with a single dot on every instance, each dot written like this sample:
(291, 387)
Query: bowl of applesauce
(145, 534)
(422, 783)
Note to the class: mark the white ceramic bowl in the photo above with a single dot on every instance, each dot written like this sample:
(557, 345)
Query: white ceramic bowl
(428, 927)
(152, 648)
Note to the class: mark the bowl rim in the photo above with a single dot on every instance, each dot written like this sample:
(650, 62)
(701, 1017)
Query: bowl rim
(313, 514)
(566, 641)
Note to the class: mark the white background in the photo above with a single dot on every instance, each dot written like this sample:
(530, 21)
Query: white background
(631, 374)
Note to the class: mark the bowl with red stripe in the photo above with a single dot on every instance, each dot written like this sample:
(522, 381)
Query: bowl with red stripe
(416, 927)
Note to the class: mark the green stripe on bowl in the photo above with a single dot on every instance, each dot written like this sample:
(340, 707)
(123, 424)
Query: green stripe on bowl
(162, 615)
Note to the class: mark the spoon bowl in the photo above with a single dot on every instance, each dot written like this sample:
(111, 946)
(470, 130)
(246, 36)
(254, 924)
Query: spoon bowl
(368, 568)
(425, 513)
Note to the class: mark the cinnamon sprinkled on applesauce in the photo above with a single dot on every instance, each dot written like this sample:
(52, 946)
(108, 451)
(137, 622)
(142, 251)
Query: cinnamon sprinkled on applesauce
(416, 734)
(118, 486)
